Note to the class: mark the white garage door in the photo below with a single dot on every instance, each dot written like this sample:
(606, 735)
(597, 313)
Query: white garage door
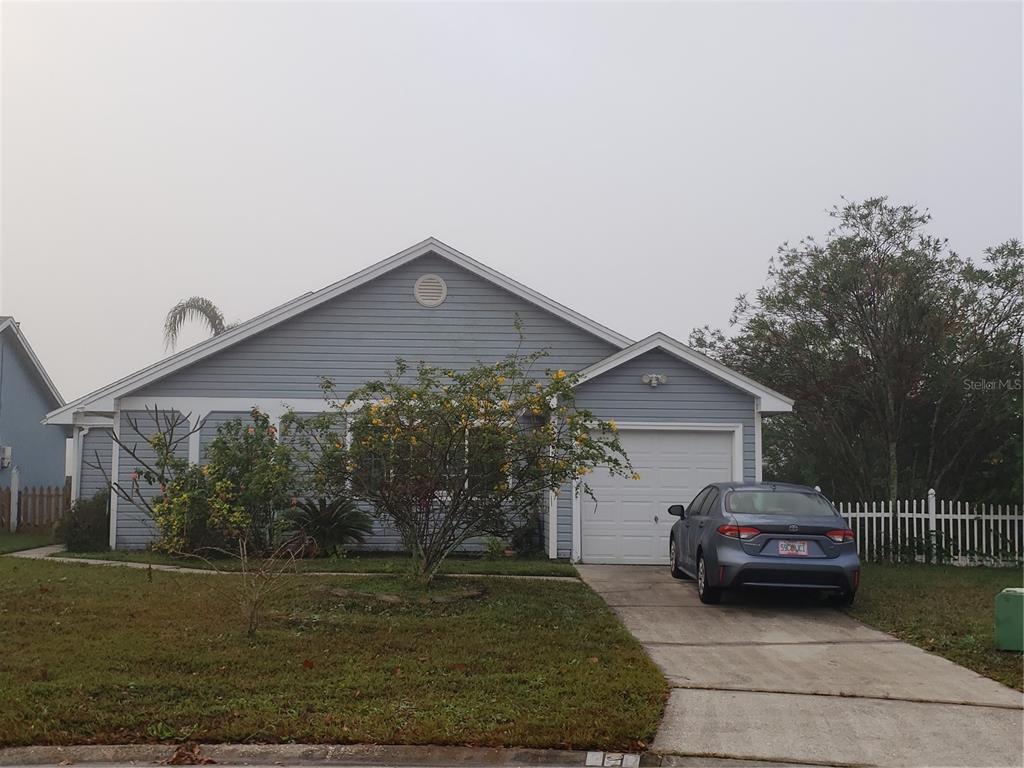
(629, 522)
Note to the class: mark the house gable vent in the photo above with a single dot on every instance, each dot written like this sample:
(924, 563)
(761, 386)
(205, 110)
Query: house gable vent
(430, 290)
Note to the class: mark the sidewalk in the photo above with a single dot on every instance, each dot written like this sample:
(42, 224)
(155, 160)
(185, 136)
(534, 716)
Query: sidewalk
(51, 555)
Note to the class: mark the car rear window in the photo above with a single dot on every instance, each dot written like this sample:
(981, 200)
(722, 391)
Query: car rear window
(777, 503)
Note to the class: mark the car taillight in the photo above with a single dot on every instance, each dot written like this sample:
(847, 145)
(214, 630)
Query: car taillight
(840, 536)
(738, 531)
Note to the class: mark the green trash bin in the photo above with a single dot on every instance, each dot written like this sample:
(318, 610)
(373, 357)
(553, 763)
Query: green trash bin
(1010, 619)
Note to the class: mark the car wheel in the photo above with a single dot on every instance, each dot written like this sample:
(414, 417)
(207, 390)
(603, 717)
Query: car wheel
(673, 556)
(708, 595)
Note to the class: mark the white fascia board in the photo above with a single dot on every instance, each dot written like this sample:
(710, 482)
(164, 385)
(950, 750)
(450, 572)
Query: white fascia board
(11, 323)
(771, 401)
(104, 398)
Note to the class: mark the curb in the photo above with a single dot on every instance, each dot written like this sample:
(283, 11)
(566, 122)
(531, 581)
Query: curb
(365, 755)
(292, 754)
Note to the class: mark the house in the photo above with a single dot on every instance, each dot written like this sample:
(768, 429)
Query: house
(685, 419)
(30, 451)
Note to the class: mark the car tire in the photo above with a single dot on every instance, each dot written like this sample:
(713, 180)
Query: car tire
(842, 600)
(673, 556)
(708, 595)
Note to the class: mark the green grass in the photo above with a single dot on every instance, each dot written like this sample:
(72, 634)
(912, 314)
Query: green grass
(104, 655)
(943, 609)
(15, 542)
(361, 563)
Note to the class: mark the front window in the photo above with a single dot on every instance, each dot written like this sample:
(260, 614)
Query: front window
(777, 503)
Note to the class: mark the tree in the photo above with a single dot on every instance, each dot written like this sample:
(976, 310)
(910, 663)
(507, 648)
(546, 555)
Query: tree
(446, 456)
(195, 308)
(891, 345)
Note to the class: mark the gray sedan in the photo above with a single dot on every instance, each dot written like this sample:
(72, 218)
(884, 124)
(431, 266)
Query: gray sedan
(763, 535)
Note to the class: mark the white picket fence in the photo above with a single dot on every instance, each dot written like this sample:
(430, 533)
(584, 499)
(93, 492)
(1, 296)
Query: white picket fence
(931, 530)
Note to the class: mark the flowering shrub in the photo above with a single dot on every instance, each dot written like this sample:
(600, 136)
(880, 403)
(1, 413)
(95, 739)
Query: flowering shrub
(445, 456)
(229, 500)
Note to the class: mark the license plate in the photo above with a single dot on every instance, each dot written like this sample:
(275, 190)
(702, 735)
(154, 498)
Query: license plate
(793, 548)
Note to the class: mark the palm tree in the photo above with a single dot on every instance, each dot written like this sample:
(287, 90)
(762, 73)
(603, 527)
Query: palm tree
(194, 308)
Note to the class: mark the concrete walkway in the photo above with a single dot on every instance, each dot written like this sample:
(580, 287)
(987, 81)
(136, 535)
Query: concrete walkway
(51, 554)
(789, 680)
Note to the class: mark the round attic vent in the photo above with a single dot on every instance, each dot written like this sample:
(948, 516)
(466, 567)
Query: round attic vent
(430, 290)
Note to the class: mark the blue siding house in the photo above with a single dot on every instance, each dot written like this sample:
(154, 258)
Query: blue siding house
(28, 447)
(685, 419)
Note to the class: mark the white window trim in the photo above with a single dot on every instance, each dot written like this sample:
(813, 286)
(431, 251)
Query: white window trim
(737, 464)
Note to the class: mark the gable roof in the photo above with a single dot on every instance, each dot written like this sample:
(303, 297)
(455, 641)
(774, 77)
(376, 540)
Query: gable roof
(103, 399)
(9, 326)
(771, 401)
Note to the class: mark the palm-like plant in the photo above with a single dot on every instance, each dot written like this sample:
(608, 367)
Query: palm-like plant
(194, 308)
(331, 522)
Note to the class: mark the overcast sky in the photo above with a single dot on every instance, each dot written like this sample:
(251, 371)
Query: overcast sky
(639, 163)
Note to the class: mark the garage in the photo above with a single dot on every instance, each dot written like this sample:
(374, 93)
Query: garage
(628, 522)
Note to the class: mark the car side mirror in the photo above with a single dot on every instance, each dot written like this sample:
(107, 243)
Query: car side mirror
(678, 510)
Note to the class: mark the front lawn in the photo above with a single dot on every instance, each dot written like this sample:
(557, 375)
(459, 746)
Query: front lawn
(366, 562)
(15, 542)
(106, 655)
(943, 609)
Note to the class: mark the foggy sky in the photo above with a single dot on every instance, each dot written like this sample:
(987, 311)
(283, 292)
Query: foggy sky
(638, 163)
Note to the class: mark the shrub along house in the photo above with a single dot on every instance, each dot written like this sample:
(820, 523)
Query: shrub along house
(685, 420)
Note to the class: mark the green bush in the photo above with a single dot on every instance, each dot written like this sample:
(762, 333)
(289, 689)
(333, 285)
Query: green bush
(85, 526)
(332, 523)
(230, 501)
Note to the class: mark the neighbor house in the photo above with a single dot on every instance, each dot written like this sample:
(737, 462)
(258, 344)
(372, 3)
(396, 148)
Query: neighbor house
(685, 419)
(29, 450)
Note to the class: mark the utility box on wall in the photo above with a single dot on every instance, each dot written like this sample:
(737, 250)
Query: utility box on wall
(1010, 619)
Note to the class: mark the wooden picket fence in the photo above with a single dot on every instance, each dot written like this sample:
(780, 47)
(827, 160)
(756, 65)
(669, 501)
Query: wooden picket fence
(932, 530)
(38, 507)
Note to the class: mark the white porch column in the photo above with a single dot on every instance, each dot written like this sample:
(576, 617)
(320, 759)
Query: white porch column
(577, 522)
(115, 463)
(552, 525)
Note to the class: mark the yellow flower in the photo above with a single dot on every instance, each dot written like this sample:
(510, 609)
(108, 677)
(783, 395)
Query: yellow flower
(581, 471)
(501, 380)
(612, 425)
(636, 476)
(559, 375)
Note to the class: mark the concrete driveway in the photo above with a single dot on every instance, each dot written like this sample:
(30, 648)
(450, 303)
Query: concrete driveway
(789, 680)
